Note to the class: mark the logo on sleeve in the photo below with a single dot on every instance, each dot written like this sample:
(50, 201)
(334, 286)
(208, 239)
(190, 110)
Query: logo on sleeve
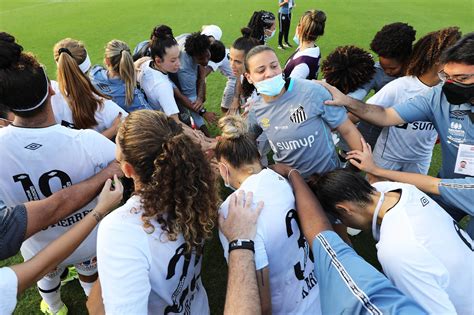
(265, 122)
(298, 116)
(424, 201)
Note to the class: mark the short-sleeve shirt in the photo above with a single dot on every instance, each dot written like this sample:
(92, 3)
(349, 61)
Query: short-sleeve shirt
(458, 192)
(142, 272)
(298, 126)
(158, 89)
(452, 123)
(425, 254)
(280, 246)
(410, 142)
(286, 8)
(378, 81)
(8, 290)
(104, 115)
(36, 162)
(303, 64)
(115, 88)
(13, 223)
(188, 71)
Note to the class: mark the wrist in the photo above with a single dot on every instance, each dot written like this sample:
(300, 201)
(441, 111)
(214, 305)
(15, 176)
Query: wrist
(202, 111)
(292, 171)
(246, 244)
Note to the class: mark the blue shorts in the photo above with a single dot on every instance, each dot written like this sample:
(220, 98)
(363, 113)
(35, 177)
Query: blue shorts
(350, 285)
(13, 223)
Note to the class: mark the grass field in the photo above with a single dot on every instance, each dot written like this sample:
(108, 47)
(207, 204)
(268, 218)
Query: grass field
(38, 25)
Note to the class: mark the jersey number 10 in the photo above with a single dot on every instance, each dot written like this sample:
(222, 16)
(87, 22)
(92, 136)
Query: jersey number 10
(43, 183)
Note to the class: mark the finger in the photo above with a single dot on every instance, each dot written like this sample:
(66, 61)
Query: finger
(355, 163)
(241, 198)
(354, 152)
(233, 200)
(118, 184)
(259, 208)
(362, 141)
(369, 147)
(248, 200)
(107, 185)
(330, 102)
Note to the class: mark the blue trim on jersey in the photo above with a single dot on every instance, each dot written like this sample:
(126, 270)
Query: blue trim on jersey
(347, 279)
(290, 87)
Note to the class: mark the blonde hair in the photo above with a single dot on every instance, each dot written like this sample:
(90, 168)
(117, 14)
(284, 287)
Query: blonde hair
(82, 97)
(235, 145)
(311, 25)
(177, 184)
(121, 62)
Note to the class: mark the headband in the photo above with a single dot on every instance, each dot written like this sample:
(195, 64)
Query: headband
(267, 17)
(40, 102)
(84, 66)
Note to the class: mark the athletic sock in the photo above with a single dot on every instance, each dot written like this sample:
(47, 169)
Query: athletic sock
(49, 289)
(86, 286)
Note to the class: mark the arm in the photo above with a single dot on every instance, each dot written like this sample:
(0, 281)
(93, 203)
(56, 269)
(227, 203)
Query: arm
(351, 134)
(34, 269)
(201, 84)
(263, 280)
(363, 160)
(111, 132)
(183, 99)
(300, 71)
(373, 114)
(45, 212)
(235, 106)
(94, 303)
(283, 3)
(313, 220)
(241, 223)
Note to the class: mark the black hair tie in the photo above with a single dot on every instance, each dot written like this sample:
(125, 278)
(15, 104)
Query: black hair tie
(64, 50)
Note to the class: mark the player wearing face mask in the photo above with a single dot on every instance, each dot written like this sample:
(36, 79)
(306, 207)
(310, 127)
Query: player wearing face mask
(262, 24)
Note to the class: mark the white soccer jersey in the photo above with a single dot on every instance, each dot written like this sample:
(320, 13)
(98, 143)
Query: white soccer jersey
(425, 254)
(158, 89)
(281, 246)
(104, 116)
(8, 290)
(410, 142)
(142, 272)
(37, 162)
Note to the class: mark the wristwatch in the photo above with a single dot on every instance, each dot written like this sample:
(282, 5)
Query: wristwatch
(241, 244)
(202, 111)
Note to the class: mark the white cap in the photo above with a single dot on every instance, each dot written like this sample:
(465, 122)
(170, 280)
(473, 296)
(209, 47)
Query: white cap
(212, 30)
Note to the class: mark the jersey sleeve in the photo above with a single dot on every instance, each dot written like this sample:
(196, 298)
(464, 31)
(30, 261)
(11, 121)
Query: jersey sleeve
(358, 94)
(334, 116)
(418, 108)
(109, 112)
(301, 71)
(385, 97)
(100, 149)
(124, 266)
(165, 96)
(458, 192)
(8, 290)
(418, 274)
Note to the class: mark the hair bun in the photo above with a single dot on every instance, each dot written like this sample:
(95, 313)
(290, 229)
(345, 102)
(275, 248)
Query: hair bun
(10, 51)
(246, 32)
(162, 32)
(233, 127)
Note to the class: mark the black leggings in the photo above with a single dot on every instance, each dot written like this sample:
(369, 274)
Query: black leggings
(284, 21)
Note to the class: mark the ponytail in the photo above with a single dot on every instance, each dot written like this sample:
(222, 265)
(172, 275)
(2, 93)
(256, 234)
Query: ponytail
(121, 62)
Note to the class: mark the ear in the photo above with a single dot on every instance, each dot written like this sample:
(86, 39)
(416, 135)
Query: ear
(51, 90)
(343, 209)
(158, 60)
(107, 62)
(128, 170)
(247, 76)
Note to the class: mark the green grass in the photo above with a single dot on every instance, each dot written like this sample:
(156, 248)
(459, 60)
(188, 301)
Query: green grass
(38, 25)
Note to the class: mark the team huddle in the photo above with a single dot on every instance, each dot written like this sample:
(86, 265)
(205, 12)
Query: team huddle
(296, 152)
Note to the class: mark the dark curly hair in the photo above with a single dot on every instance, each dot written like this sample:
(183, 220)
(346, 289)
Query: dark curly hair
(394, 41)
(161, 39)
(177, 184)
(197, 44)
(428, 50)
(23, 81)
(259, 22)
(217, 50)
(348, 67)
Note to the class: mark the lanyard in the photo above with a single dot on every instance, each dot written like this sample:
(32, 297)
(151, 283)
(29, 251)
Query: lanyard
(375, 228)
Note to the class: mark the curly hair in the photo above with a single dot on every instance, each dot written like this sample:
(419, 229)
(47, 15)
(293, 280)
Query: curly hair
(428, 50)
(23, 82)
(348, 67)
(197, 44)
(394, 41)
(177, 184)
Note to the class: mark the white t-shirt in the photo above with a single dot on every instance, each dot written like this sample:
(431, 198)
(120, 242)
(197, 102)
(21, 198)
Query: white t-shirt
(8, 290)
(409, 142)
(158, 89)
(37, 162)
(301, 71)
(280, 246)
(142, 272)
(425, 254)
(104, 116)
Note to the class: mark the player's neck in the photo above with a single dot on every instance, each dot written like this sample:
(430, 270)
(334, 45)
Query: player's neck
(42, 120)
(247, 171)
(390, 200)
(430, 78)
(306, 45)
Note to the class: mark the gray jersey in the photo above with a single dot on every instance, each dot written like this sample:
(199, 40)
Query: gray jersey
(298, 126)
(188, 71)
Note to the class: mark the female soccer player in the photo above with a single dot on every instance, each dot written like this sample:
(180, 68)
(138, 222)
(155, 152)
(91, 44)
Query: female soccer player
(40, 157)
(118, 80)
(282, 259)
(262, 24)
(304, 63)
(77, 103)
(284, 21)
(150, 249)
(293, 116)
(408, 147)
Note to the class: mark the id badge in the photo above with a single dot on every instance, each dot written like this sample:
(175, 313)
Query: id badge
(465, 160)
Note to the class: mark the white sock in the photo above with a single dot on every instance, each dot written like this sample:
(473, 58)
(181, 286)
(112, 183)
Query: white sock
(52, 296)
(86, 286)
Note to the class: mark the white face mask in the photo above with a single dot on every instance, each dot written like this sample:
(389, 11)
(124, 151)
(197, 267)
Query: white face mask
(270, 87)
(226, 180)
(267, 37)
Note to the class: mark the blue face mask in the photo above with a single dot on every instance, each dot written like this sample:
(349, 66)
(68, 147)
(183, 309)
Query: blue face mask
(296, 40)
(270, 87)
